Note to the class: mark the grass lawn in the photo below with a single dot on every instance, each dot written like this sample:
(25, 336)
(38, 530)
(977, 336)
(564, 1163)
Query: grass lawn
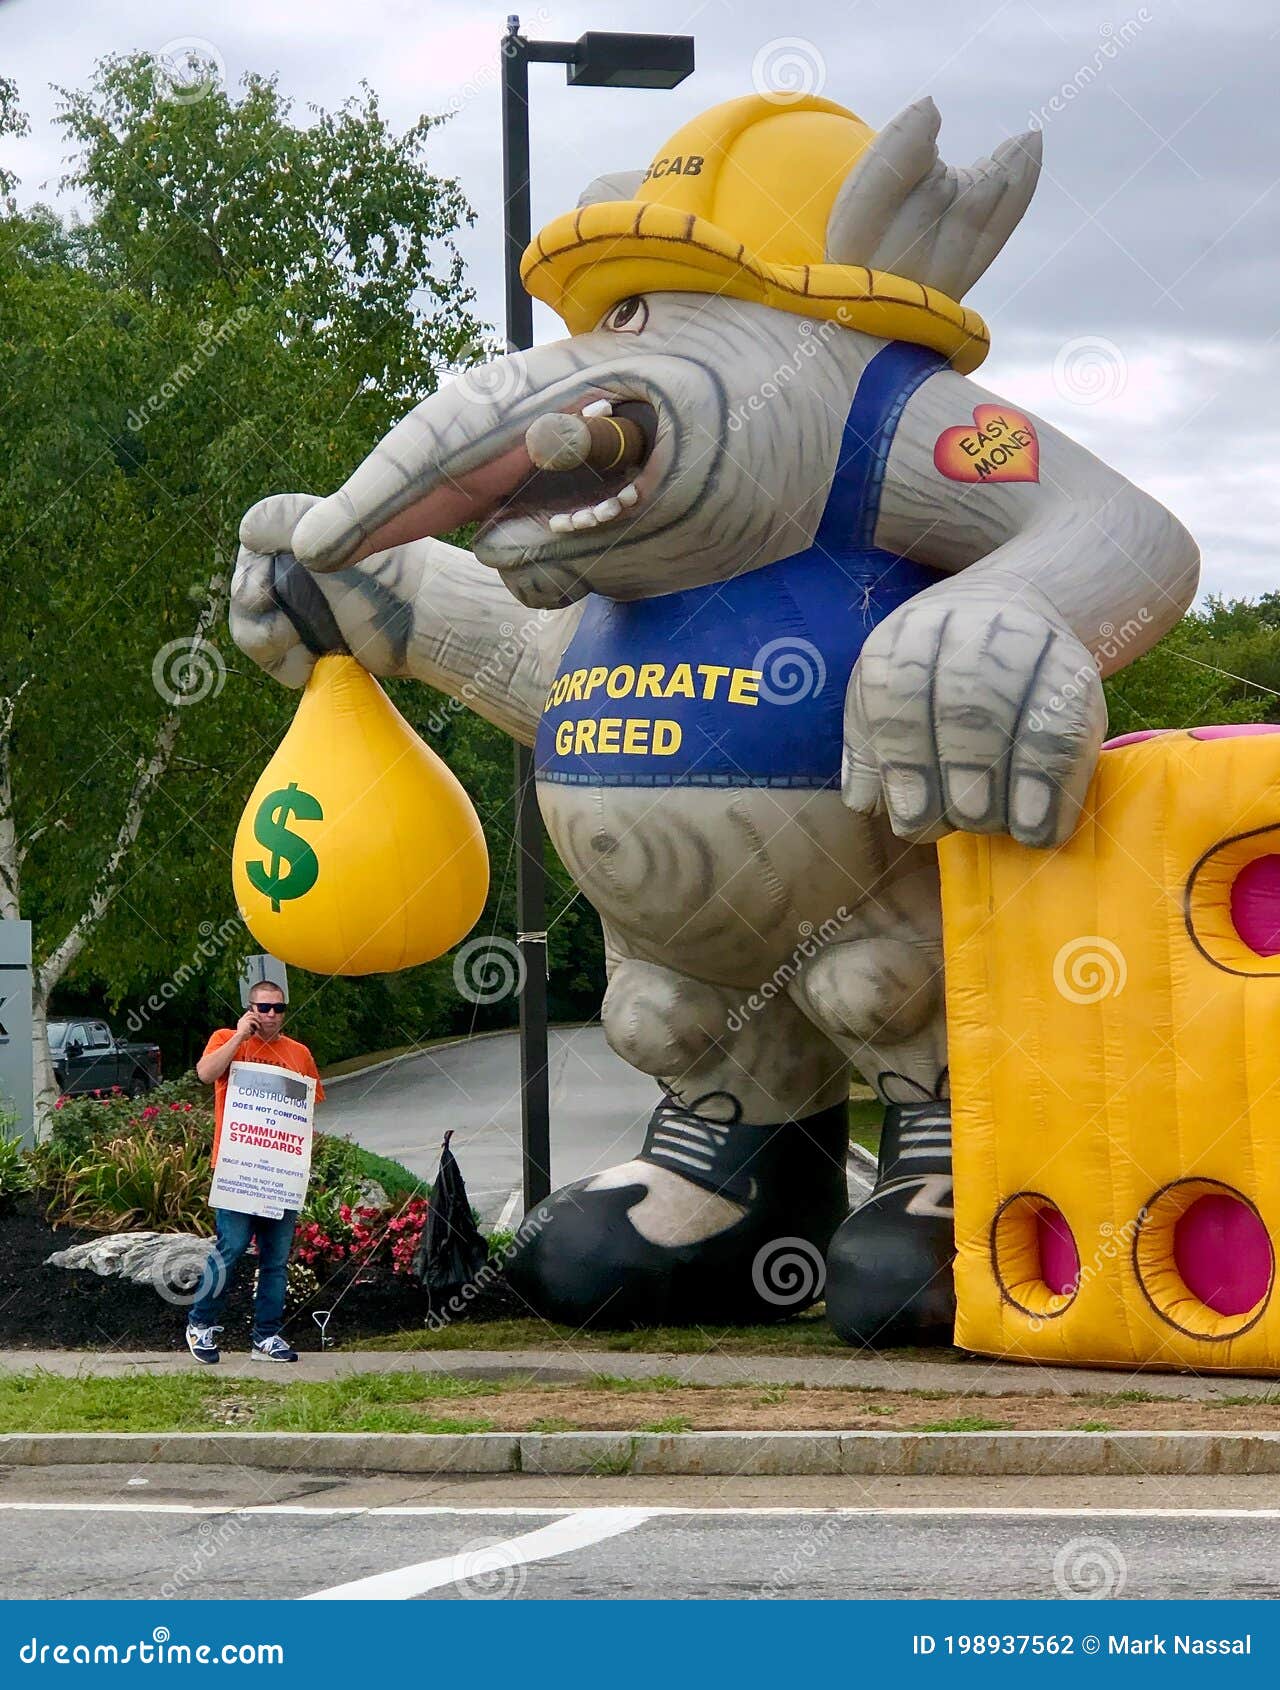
(865, 1116)
(201, 1401)
(809, 1334)
(394, 1178)
(415, 1402)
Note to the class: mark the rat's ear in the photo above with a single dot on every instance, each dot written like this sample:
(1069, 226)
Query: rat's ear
(903, 210)
(619, 185)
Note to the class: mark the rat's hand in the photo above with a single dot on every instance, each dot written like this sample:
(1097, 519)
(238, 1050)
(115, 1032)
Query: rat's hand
(265, 574)
(974, 707)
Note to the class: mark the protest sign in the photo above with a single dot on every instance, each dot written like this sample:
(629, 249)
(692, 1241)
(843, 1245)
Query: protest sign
(264, 1151)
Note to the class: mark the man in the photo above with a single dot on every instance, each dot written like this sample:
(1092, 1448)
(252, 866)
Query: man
(258, 1036)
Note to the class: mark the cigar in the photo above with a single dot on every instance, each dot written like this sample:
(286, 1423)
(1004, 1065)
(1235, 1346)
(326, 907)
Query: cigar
(560, 441)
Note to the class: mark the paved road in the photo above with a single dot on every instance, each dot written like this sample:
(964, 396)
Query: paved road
(599, 1109)
(411, 1551)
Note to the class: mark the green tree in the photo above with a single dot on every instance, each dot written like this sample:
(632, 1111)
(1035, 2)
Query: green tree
(251, 302)
(13, 121)
(1220, 664)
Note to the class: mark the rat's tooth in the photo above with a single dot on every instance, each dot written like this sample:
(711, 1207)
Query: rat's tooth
(561, 523)
(629, 494)
(606, 510)
(583, 519)
(598, 408)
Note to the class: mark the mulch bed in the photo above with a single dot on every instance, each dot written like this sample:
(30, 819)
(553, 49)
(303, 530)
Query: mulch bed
(52, 1308)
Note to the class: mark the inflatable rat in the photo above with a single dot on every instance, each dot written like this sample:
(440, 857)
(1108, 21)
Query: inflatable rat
(801, 599)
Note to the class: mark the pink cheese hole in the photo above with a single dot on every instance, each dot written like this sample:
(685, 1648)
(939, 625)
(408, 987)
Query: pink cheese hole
(1222, 1251)
(1255, 905)
(1235, 730)
(1059, 1258)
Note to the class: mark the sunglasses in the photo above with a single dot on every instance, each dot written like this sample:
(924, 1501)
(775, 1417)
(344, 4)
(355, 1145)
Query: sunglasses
(268, 1008)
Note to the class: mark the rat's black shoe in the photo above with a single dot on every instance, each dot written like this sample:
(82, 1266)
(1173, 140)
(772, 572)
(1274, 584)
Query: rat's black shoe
(750, 1250)
(889, 1266)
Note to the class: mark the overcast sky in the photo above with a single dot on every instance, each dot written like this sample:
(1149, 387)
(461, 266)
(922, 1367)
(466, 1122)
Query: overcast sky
(1137, 305)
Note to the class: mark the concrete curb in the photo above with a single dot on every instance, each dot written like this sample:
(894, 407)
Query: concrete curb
(866, 1162)
(708, 1454)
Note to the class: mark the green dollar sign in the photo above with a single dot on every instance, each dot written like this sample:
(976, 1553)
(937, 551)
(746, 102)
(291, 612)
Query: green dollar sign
(271, 830)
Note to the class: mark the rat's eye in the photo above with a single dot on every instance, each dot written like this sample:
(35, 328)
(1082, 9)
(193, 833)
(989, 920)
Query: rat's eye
(628, 316)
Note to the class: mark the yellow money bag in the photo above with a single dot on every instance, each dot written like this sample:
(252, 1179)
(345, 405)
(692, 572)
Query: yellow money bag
(358, 851)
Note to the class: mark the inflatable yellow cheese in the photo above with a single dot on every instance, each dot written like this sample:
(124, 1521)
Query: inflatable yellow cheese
(358, 851)
(1114, 1021)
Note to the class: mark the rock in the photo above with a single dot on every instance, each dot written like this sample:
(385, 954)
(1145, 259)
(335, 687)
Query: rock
(370, 1195)
(172, 1262)
(101, 1255)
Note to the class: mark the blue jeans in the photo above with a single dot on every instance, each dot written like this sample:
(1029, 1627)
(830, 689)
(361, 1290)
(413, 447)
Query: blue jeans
(275, 1239)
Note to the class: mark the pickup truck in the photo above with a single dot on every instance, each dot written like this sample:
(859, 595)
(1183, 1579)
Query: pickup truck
(87, 1057)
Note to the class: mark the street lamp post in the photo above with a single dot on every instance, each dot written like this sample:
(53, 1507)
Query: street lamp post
(599, 59)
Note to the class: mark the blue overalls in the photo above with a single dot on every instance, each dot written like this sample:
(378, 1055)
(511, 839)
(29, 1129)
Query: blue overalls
(742, 682)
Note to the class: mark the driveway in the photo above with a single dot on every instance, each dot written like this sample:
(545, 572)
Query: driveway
(599, 1109)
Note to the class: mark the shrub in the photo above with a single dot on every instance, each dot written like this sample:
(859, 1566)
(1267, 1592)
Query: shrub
(174, 1122)
(139, 1180)
(404, 1233)
(48, 1164)
(335, 1166)
(117, 1162)
(321, 1221)
(77, 1123)
(159, 1149)
(301, 1284)
(15, 1170)
(500, 1244)
(186, 1088)
(333, 1233)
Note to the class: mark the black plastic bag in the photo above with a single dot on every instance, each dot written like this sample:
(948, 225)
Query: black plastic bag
(451, 1251)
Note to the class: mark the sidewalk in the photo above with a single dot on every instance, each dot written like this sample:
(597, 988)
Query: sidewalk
(856, 1371)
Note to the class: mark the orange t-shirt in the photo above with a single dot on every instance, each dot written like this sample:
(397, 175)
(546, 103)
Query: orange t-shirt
(280, 1052)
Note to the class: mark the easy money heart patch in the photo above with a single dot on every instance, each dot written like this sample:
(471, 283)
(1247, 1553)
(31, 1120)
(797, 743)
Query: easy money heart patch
(1002, 445)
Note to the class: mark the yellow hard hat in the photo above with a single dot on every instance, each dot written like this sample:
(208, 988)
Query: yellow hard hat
(737, 203)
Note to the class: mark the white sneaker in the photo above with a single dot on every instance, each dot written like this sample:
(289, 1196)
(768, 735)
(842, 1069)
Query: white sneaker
(273, 1349)
(202, 1341)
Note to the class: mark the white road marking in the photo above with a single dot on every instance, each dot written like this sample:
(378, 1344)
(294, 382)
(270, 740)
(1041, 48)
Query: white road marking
(510, 1210)
(657, 1511)
(561, 1537)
